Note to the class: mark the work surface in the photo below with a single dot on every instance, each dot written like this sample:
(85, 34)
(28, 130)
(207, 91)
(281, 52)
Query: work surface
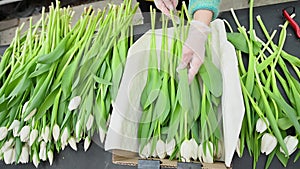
(96, 157)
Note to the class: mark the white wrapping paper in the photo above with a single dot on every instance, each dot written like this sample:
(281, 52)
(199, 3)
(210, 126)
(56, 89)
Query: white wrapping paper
(122, 132)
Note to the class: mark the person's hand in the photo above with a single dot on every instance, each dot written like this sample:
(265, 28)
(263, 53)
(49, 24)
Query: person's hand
(193, 50)
(166, 5)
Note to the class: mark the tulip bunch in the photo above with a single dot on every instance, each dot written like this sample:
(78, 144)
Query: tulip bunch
(58, 82)
(179, 120)
(271, 124)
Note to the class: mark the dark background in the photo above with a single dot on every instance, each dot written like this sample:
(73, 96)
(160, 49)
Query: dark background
(96, 157)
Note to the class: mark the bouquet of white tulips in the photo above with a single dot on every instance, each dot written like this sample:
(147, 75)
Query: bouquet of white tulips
(179, 120)
(271, 89)
(58, 82)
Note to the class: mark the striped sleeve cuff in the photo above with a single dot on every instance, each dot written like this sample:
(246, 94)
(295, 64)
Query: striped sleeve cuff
(212, 5)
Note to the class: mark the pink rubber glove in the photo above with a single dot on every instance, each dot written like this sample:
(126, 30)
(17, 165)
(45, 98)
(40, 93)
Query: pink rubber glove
(166, 5)
(193, 50)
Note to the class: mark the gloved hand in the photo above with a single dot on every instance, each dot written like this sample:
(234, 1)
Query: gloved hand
(166, 5)
(193, 50)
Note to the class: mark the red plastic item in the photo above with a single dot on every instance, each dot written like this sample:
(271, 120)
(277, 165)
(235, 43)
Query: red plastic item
(293, 23)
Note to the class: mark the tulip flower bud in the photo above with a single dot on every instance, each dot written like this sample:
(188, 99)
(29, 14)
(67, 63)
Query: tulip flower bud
(218, 152)
(74, 103)
(16, 132)
(238, 148)
(261, 125)
(14, 124)
(24, 157)
(8, 156)
(13, 158)
(206, 157)
(72, 143)
(56, 132)
(170, 146)
(101, 134)
(186, 151)
(33, 136)
(154, 154)
(30, 115)
(78, 130)
(90, 122)
(42, 153)
(3, 133)
(24, 133)
(268, 143)
(87, 143)
(161, 149)
(145, 153)
(24, 107)
(46, 134)
(64, 138)
(35, 160)
(291, 143)
(7, 145)
(50, 157)
(194, 149)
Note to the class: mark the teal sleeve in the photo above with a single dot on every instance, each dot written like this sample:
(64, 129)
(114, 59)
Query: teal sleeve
(212, 5)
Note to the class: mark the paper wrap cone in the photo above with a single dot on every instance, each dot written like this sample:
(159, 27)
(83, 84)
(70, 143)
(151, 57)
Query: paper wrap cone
(122, 132)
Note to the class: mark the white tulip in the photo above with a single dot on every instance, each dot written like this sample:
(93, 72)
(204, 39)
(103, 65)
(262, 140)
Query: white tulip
(24, 107)
(154, 154)
(219, 152)
(145, 153)
(30, 115)
(238, 148)
(50, 157)
(101, 134)
(35, 160)
(64, 138)
(42, 153)
(33, 136)
(74, 103)
(16, 132)
(24, 133)
(291, 143)
(13, 159)
(170, 146)
(14, 124)
(3, 133)
(89, 123)
(8, 156)
(24, 157)
(161, 149)
(194, 149)
(262, 125)
(87, 143)
(55, 132)
(78, 130)
(7, 145)
(268, 143)
(72, 143)
(186, 151)
(46, 134)
(207, 157)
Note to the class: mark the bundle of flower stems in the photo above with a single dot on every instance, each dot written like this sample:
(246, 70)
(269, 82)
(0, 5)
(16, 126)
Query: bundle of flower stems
(270, 84)
(58, 82)
(179, 120)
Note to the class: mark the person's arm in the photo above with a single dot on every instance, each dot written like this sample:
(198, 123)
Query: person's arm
(203, 15)
(196, 8)
(193, 51)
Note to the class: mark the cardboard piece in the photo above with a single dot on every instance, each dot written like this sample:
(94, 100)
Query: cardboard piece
(121, 157)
